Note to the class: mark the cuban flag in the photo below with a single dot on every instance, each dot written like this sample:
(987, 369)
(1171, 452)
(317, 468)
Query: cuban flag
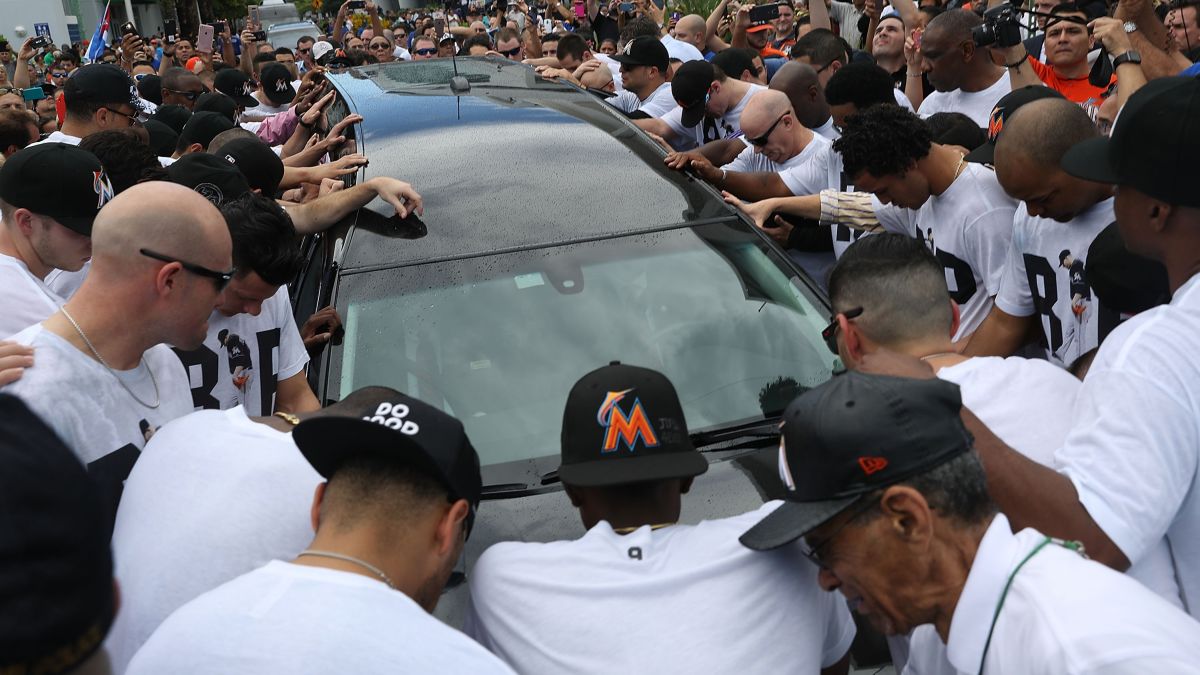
(100, 37)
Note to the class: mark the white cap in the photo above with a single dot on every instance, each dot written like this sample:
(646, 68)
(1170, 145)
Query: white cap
(321, 49)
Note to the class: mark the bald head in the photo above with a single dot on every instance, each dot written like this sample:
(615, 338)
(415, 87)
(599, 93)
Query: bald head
(1043, 131)
(163, 217)
(798, 81)
(597, 78)
(763, 109)
(692, 30)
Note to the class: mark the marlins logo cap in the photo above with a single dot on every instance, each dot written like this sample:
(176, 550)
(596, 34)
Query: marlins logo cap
(624, 424)
(852, 435)
(59, 181)
(1005, 107)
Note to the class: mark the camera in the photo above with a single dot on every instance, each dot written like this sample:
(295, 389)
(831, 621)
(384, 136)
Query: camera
(41, 42)
(1001, 27)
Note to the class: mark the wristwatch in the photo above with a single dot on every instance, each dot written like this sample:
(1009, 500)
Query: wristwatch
(1129, 26)
(1131, 56)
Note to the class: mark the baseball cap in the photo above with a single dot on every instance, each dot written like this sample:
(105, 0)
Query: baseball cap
(644, 51)
(202, 128)
(277, 83)
(215, 179)
(150, 89)
(986, 153)
(624, 424)
(759, 28)
(215, 101)
(320, 50)
(56, 572)
(172, 115)
(1154, 141)
(256, 161)
(236, 85)
(102, 83)
(57, 180)
(162, 137)
(1124, 281)
(690, 89)
(853, 435)
(397, 427)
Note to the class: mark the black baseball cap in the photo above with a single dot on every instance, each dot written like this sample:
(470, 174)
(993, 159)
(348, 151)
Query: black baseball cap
(202, 128)
(57, 180)
(851, 436)
(277, 83)
(150, 89)
(986, 153)
(624, 424)
(257, 161)
(215, 101)
(215, 179)
(690, 88)
(645, 51)
(1155, 139)
(400, 428)
(236, 85)
(101, 84)
(1124, 281)
(173, 115)
(162, 137)
(56, 571)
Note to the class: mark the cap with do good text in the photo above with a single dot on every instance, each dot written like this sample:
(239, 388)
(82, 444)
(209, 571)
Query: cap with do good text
(852, 435)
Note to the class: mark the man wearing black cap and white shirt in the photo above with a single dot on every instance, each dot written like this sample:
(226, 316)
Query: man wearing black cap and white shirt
(97, 97)
(1061, 213)
(57, 593)
(49, 196)
(645, 67)
(390, 522)
(709, 106)
(236, 85)
(160, 261)
(275, 92)
(637, 593)
(892, 503)
(199, 130)
(1128, 464)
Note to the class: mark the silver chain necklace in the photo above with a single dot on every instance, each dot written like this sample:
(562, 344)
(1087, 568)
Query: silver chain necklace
(355, 561)
(86, 341)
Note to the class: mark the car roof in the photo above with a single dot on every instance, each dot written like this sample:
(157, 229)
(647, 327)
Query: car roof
(516, 162)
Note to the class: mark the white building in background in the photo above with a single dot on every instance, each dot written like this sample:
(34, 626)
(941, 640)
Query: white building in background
(72, 20)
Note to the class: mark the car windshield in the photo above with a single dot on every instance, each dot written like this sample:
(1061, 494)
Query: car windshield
(498, 341)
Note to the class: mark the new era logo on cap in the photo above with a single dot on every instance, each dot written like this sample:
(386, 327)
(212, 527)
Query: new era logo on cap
(621, 427)
(392, 416)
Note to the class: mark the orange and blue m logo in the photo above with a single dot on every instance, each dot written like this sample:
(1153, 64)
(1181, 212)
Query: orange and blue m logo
(621, 427)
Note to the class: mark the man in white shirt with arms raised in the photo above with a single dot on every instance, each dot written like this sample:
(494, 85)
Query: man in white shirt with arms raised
(49, 196)
(892, 503)
(603, 603)
(966, 79)
(104, 377)
(402, 486)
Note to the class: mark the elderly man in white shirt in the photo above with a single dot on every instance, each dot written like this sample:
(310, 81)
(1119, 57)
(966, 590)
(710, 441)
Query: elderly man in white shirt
(892, 504)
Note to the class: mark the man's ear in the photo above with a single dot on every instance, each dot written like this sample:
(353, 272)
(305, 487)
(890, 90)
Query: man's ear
(24, 220)
(451, 527)
(955, 318)
(318, 499)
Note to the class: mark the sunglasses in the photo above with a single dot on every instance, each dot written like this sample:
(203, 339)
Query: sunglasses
(812, 551)
(136, 119)
(189, 95)
(304, 51)
(508, 52)
(380, 45)
(829, 333)
(59, 73)
(762, 140)
(220, 279)
(428, 51)
(9, 90)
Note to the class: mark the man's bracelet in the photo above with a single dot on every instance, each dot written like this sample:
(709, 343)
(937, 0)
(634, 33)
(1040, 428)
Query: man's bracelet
(1018, 63)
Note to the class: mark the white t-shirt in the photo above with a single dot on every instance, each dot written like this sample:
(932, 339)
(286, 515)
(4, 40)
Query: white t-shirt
(685, 598)
(751, 160)
(969, 228)
(258, 352)
(1027, 403)
(847, 16)
(301, 620)
(976, 105)
(659, 103)
(902, 100)
(26, 299)
(828, 130)
(57, 137)
(89, 409)
(824, 172)
(1061, 614)
(213, 496)
(64, 283)
(1073, 322)
(677, 49)
(1134, 450)
(728, 126)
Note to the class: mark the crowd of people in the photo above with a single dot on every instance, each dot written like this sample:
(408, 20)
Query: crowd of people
(1004, 478)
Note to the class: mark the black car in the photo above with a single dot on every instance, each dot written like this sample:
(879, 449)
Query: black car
(554, 241)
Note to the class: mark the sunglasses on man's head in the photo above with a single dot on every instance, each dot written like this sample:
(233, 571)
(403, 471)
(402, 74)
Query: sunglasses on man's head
(829, 333)
(428, 51)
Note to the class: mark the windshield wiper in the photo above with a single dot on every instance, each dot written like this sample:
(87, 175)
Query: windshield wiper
(754, 434)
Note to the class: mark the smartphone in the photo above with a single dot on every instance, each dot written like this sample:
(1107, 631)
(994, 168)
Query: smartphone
(33, 94)
(356, 4)
(547, 26)
(625, 7)
(41, 42)
(917, 40)
(170, 30)
(128, 28)
(204, 39)
(219, 27)
(252, 11)
(661, 4)
(580, 10)
(763, 13)
(440, 26)
(260, 36)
